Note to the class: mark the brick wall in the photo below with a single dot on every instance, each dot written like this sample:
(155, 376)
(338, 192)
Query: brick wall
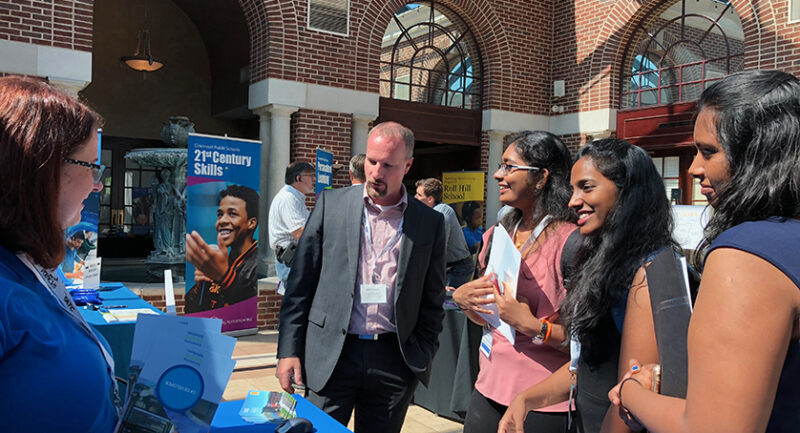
(56, 23)
(591, 37)
(312, 129)
(512, 37)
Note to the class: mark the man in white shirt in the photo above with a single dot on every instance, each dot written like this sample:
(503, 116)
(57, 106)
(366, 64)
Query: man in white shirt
(288, 215)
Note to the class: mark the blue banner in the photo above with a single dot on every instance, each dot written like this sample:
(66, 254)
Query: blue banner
(324, 171)
(222, 194)
(81, 239)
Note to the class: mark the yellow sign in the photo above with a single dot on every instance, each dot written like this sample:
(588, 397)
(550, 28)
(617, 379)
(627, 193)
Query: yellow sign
(462, 186)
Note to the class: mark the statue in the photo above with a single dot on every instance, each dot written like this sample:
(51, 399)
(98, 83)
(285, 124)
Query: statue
(169, 197)
(155, 217)
(176, 131)
(179, 219)
(165, 206)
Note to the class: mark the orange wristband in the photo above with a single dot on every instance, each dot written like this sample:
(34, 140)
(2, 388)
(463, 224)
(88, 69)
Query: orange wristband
(549, 330)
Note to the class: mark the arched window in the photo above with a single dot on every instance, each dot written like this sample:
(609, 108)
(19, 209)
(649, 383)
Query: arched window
(429, 55)
(679, 49)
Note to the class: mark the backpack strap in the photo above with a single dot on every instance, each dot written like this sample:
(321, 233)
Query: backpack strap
(569, 256)
(671, 305)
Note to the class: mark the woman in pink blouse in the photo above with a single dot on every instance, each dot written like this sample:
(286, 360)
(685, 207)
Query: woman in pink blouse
(534, 179)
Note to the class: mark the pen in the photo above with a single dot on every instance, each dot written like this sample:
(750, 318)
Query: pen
(114, 306)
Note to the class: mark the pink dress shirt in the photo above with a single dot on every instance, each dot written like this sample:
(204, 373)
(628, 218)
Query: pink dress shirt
(374, 267)
(514, 368)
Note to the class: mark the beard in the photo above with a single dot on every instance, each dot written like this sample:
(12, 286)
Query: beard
(377, 189)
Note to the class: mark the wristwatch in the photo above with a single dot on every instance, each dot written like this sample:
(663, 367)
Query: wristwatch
(541, 337)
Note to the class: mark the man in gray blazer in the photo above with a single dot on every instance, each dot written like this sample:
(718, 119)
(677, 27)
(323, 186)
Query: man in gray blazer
(360, 319)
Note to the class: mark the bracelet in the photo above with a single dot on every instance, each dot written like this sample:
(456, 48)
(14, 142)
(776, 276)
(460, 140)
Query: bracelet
(621, 385)
(549, 330)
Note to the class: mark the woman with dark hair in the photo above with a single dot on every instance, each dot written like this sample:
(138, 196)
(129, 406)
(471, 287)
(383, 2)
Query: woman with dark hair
(473, 218)
(533, 180)
(57, 374)
(625, 218)
(744, 356)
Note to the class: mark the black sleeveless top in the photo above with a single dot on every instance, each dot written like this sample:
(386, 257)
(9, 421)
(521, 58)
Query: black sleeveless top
(597, 374)
(775, 240)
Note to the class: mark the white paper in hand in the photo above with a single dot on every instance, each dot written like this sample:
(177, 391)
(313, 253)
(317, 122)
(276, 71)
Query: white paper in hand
(504, 262)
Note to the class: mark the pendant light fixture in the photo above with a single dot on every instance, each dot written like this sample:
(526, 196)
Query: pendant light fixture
(143, 60)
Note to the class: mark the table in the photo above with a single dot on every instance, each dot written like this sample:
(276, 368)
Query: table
(227, 419)
(455, 368)
(118, 334)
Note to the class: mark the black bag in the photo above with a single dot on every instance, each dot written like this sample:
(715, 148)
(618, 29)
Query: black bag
(672, 307)
(286, 255)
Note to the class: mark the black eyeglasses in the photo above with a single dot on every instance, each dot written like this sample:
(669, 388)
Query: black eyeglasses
(507, 168)
(97, 169)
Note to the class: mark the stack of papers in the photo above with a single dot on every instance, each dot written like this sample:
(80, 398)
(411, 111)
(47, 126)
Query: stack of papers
(179, 369)
(264, 406)
(125, 314)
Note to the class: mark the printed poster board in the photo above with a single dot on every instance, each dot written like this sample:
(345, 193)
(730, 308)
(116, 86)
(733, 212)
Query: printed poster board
(324, 172)
(222, 199)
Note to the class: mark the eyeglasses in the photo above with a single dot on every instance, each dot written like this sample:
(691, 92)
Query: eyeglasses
(97, 169)
(508, 168)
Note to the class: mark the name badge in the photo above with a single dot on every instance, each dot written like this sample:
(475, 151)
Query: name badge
(373, 293)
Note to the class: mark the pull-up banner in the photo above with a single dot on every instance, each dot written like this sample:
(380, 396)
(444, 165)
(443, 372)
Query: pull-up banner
(222, 207)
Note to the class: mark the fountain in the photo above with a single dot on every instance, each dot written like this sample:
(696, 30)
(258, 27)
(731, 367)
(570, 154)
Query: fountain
(169, 198)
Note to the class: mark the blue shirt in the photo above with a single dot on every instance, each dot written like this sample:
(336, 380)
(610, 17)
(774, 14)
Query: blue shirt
(53, 377)
(472, 237)
(775, 240)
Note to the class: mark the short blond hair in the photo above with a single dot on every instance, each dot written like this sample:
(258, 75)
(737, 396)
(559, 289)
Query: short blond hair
(395, 130)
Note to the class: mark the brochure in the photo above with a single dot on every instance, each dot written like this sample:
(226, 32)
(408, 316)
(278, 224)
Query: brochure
(179, 369)
(504, 263)
(264, 406)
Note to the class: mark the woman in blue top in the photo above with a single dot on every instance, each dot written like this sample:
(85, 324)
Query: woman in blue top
(744, 357)
(55, 373)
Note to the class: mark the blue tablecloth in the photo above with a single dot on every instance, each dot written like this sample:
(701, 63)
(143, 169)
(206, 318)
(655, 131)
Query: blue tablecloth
(227, 419)
(118, 334)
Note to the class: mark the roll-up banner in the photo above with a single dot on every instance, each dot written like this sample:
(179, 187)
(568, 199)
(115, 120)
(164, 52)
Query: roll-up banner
(222, 207)
(81, 239)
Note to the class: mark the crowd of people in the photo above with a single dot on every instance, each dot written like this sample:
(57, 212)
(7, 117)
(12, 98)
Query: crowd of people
(365, 274)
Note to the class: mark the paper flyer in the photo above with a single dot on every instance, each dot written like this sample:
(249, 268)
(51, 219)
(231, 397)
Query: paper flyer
(148, 326)
(182, 378)
(222, 199)
(504, 262)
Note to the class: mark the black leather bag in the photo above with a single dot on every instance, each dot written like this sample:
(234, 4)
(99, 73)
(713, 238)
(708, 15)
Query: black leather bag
(286, 255)
(672, 307)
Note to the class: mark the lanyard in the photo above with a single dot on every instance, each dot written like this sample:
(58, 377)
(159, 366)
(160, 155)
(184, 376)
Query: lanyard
(387, 247)
(574, 357)
(536, 232)
(50, 280)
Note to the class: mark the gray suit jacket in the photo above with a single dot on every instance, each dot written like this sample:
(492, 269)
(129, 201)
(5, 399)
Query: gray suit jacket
(315, 312)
